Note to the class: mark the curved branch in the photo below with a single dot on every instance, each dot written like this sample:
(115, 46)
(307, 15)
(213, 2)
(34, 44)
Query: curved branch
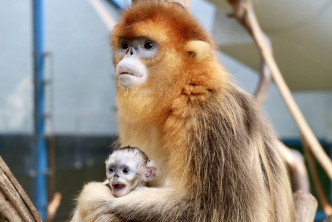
(244, 13)
(295, 162)
(265, 79)
(303, 126)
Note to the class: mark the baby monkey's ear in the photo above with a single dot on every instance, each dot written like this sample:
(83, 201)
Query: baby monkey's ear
(199, 50)
(151, 171)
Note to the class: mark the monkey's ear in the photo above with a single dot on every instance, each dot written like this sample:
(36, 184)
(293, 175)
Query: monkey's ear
(150, 173)
(199, 50)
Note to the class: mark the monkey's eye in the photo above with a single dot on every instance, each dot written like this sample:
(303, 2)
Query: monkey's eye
(148, 45)
(124, 45)
(125, 170)
(111, 170)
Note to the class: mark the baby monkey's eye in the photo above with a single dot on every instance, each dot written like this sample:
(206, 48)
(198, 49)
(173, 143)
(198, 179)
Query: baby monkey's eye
(111, 170)
(125, 170)
(148, 44)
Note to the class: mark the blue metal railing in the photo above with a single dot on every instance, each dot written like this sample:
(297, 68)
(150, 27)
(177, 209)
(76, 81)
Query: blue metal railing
(39, 118)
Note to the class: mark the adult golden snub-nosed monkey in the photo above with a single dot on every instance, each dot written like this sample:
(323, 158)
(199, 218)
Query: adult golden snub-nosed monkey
(216, 155)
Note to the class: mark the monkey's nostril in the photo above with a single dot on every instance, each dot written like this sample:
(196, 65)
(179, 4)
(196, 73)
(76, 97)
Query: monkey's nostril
(116, 175)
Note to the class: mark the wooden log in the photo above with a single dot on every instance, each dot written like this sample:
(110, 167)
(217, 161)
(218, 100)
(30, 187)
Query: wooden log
(15, 204)
(305, 207)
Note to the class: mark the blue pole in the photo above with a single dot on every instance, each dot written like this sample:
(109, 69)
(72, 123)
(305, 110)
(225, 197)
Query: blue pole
(120, 4)
(39, 120)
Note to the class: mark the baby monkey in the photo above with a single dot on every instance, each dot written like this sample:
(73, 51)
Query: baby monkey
(127, 169)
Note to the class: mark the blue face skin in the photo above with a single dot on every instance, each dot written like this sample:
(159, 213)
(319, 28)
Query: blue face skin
(142, 47)
(131, 71)
(122, 170)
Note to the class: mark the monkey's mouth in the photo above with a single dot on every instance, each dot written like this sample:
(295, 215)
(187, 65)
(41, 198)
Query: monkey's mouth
(129, 76)
(129, 73)
(118, 186)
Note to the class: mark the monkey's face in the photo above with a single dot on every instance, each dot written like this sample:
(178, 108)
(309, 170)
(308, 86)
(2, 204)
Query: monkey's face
(144, 53)
(120, 177)
(131, 71)
(125, 171)
(157, 54)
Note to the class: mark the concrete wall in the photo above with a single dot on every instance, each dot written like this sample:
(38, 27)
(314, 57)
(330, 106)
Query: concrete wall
(84, 101)
(15, 66)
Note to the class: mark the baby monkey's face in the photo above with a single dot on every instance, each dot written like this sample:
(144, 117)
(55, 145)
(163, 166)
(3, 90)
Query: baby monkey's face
(122, 175)
(128, 168)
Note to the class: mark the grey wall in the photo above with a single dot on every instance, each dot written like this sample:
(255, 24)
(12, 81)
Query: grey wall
(84, 99)
(15, 66)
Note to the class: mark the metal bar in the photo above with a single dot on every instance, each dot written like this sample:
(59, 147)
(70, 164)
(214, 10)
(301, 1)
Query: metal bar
(39, 119)
(119, 4)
